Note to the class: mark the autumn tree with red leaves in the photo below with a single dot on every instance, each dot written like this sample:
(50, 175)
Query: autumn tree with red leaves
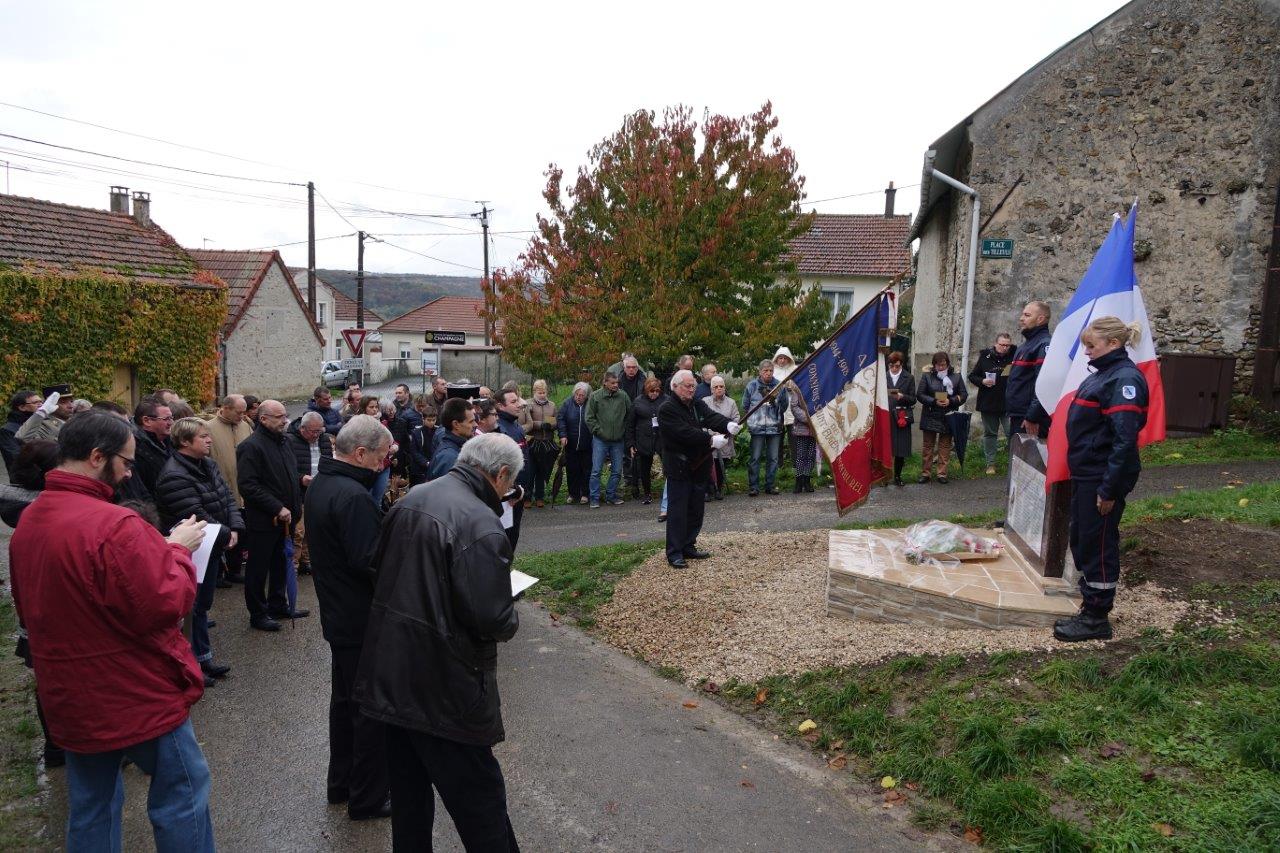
(674, 239)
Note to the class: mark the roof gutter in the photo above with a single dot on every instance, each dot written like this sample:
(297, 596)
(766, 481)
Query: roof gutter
(931, 173)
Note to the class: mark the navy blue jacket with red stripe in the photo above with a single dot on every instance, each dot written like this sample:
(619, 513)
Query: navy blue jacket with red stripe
(1020, 392)
(1109, 410)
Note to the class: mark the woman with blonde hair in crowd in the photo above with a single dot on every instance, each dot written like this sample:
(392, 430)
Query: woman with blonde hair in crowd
(544, 441)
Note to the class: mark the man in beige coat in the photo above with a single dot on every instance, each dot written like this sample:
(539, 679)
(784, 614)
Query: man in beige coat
(229, 427)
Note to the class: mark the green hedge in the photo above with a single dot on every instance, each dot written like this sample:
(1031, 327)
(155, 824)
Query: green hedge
(78, 327)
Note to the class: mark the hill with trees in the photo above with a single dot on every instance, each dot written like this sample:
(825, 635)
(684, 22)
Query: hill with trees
(392, 294)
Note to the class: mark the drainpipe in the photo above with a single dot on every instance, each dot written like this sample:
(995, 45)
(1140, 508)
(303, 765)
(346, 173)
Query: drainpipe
(973, 264)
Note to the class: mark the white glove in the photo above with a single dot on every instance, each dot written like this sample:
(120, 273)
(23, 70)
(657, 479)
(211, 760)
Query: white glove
(718, 442)
(50, 403)
(734, 427)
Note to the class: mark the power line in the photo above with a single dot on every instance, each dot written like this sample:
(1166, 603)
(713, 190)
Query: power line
(430, 257)
(855, 195)
(451, 233)
(214, 153)
(335, 210)
(146, 163)
(303, 242)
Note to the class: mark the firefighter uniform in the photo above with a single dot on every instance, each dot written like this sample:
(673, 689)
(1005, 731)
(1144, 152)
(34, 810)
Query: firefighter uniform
(1109, 410)
(1020, 401)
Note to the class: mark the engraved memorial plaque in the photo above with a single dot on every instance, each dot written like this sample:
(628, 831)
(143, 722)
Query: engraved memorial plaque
(1036, 522)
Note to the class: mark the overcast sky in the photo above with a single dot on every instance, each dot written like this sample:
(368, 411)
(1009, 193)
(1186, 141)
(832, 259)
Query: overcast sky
(448, 104)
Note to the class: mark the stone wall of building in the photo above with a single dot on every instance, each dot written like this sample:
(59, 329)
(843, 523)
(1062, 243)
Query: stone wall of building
(1173, 102)
(274, 352)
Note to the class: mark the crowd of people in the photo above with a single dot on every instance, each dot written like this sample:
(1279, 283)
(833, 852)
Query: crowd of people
(407, 511)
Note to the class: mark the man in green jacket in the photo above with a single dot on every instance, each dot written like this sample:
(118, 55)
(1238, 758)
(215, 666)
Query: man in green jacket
(607, 410)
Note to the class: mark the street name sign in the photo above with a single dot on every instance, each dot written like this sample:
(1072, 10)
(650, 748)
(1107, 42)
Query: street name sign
(453, 339)
(353, 364)
(997, 247)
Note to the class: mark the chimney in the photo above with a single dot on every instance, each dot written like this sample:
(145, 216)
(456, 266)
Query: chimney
(142, 208)
(888, 200)
(120, 200)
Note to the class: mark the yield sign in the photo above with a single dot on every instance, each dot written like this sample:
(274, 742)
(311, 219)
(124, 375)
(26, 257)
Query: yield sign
(355, 340)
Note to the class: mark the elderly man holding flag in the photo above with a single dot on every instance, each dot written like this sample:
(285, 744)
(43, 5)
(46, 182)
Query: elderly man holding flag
(1101, 381)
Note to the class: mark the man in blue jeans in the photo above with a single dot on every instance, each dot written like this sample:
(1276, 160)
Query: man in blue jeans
(607, 410)
(101, 594)
(765, 426)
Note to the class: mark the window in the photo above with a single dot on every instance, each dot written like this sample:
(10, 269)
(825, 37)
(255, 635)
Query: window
(405, 352)
(320, 313)
(337, 349)
(841, 304)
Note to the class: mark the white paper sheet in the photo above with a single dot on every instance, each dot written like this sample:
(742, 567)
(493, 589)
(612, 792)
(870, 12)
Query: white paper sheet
(520, 582)
(201, 555)
(508, 516)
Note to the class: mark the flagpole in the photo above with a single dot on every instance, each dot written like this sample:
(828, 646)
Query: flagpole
(874, 300)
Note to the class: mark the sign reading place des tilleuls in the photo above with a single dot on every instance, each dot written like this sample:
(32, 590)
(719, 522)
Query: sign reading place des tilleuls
(1036, 522)
(997, 247)
(443, 338)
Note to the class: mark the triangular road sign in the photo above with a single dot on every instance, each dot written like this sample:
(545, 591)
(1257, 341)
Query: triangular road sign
(355, 340)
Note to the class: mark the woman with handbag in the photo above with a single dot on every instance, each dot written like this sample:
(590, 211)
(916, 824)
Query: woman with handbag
(544, 444)
(941, 392)
(902, 404)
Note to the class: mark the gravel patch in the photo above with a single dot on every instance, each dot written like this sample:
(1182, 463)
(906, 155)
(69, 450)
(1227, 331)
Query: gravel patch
(758, 608)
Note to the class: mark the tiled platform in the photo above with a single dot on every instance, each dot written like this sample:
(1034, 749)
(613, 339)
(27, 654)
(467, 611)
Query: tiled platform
(868, 580)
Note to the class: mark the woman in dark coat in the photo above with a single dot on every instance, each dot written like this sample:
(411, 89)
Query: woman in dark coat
(642, 435)
(575, 438)
(902, 405)
(941, 392)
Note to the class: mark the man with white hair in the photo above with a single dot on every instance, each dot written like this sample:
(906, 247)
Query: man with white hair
(443, 602)
(310, 442)
(342, 535)
(686, 459)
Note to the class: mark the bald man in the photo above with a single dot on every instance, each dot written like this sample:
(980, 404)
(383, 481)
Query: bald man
(271, 486)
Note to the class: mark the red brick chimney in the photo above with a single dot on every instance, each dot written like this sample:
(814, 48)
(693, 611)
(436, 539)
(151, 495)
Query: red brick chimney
(120, 200)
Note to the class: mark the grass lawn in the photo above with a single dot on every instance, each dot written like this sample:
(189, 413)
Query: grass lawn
(21, 810)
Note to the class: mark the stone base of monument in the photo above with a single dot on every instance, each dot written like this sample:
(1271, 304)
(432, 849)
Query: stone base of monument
(868, 578)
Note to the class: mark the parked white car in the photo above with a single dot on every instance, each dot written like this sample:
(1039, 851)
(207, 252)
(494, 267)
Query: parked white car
(333, 374)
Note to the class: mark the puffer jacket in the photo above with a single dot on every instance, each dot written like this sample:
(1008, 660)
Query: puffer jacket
(301, 449)
(542, 421)
(1020, 399)
(768, 419)
(196, 487)
(150, 455)
(332, 417)
(933, 418)
(9, 444)
(573, 425)
(442, 603)
(446, 455)
(102, 594)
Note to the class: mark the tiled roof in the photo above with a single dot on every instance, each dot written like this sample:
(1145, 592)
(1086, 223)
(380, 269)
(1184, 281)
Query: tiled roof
(344, 307)
(70, 238)
(243, 271)
(451, 313)
(853, 244)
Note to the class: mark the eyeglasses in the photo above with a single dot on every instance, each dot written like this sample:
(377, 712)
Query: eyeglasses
(154, 418)
(127, 460)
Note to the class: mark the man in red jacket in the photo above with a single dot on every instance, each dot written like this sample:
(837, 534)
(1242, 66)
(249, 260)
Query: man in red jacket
(102, 595)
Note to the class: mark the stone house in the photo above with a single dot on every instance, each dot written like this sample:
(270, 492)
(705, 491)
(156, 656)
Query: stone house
(1175, 103)
(850, 258)
(271, 346)
(334, 312)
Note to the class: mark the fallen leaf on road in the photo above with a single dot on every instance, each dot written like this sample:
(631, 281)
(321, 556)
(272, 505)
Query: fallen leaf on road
(1179, 487)
(1111, 750)
(611, 807)
(888, 782)
(747, 783)
(1228, 486)
(912, 786)
(1174, 456)
(1167, 506)
(892, 798)
(1164, 829)
(837, 762)
(973, 834)
(574, 594)
(691, 704)
(762, 696)
(837, 744)
(811, 737)
(806, 726)
(711, 687)
(1244, 502)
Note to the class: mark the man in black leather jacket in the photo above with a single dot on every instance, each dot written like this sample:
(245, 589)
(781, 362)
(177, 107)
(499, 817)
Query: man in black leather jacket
(428, 668)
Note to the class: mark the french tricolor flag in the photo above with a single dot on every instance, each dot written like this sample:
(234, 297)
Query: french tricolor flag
(1109, 289)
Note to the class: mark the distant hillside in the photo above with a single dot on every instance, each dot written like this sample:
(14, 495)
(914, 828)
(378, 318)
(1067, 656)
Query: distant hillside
(392, 294)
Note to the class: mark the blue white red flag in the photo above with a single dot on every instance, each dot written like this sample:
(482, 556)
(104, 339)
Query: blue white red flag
(1109, 289)
(844, 391)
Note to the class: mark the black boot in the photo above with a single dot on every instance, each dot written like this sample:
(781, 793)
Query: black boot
(1083, 626)
(808, 483)
(799, 486)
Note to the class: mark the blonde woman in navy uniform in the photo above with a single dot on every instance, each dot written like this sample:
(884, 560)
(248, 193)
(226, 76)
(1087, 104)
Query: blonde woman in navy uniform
(1109, 410)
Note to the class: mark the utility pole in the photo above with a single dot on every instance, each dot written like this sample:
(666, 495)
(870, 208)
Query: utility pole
(489, 326)
(360, 287)
(311, 248)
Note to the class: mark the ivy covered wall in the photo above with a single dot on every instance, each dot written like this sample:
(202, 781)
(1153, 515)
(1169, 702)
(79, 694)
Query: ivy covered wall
(79, 327)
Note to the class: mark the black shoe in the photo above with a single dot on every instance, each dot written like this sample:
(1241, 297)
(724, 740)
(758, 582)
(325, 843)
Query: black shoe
(223, 583)
(264, 623)
(304, 568)
(212, 623)
(771, 490)
(695, 554)
(234, 578)
(648, 499)
(300, 613)
(1083, 626)
(215, 670)
(338, 795)
(678, 563)
(383, 810)
(808, 484)
(942, 478)
(208, 681)
(662, 516)
(719, 495)
(924, 478)
(897, 481)
(753, 493)
(798, 489)
(1058, 623)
